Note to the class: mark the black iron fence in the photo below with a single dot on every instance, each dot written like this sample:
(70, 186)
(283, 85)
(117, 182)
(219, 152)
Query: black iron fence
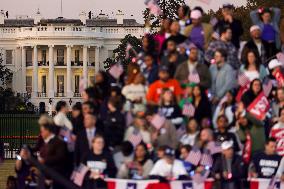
(16, 130)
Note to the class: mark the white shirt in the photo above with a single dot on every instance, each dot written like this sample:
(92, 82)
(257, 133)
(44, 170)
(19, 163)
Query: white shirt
(188, 139)
(163, 169)
(61, 120)
(252, 74)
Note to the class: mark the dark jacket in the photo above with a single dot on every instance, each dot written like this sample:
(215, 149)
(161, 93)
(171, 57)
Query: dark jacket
(182, 73)
(203, 110)
(152, 74)
(78, 124)
(173, 65)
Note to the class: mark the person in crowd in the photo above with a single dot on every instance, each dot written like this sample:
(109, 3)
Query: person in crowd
(276, 70)
(251, 94)
(54, 154)
(193, 71)
(276, 132)
(151, 69)
(201, 104)
(223, 134)
(198, 32)
(124, 155)
(187, 94)
(184, 152)
(192, 131)
(222, 76)
(85, 137)
(139, 127)
(252, 67)
(135, 94)
(168, 168)
(101, 85)
(91, 95)
(172, 58)
(256, 44)
(205, 137)
(88, 108)
(277, 104)
(77, 118)
(22, 168)
(268, 19)
(114, 125)
(140, 167)
(155, 89)
(265, 164)
(223, 43)
(163, 33)
(227, 169)
(60, 119)
(169, 108)
(175, 35)
(100, 162)
(233, 23)
(183, 17)
(225, 107)
(11, 183)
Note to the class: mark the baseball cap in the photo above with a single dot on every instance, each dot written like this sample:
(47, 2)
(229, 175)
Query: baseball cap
(274, 63)
(169, 152)
(254, 27)
(195, 14)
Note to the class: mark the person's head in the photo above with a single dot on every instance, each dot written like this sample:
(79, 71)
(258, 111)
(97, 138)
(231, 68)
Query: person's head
(188, 89)
(45, 119)
(166, 24)
(281, 115)
(139, 79)
(171, 46)
(227, 149)
(280, 94)
(113, 104)
(206, 135)
(265, 15)
(126, 148)
(89, 94)
(183, 11)
(192, 126)
(255, 32)
(193, 55)
(88, 108)
(220, 56)
(230, 95)
(101, 77)
(222, 123)
(205, 123)
(169, 155)
(98, 143)
(175, 27)
(256, 86)
(226, 33)
(46, 130)
(167, 97)
(141, 151)
(198, 92)
(89, 120)
(139, 120)
(243, 121)
(77, 110)
(252, 58)
(11, 182)
(164, 73)
(148, 43)
(161, 152)
(149, 60)
(270, 146)
(61, 106)
(184, 151)
(227, 9)
(196, 17)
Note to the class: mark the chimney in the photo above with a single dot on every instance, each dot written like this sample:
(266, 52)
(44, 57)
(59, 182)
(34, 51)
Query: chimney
(119, 17)
(83, 17)
(37, 17)
(2, 17)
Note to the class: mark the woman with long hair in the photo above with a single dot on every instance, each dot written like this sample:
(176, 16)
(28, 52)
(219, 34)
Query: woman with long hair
(250, 95)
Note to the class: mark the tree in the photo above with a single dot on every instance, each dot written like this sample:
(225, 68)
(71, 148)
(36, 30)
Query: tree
(5, 73)
(120, 51)
(169, 9)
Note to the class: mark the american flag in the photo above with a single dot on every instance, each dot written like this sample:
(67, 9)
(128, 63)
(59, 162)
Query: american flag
(267, 86)
(116, 70)
(194, 77)
(79, 174)
(188, 110)
(243, 80)
(129, 48)
(135, 138)
(153, 7)
(158, 121)
(194, 156)
(206, 159)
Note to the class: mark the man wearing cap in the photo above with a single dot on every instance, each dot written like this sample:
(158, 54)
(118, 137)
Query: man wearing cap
(168, 168)
(199, 33)
(155, 89)
(227, 169)
(257, 45)
(276, 69)
(234, 24)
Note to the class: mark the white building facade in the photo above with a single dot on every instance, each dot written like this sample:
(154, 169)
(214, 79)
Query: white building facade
(49, 57)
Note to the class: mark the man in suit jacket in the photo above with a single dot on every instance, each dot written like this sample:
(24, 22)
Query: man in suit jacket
(184, 69)
(84, 139)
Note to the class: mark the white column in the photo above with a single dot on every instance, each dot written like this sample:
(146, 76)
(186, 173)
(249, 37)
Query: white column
(24, 75)
(35, 73)
(69, 73)
(97, 59)
(85, 65)
(51, 72)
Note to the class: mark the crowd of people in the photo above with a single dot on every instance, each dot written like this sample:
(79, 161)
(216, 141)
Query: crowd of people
(194, 104)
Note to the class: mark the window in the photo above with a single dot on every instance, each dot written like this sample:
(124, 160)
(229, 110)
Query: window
(110, 54)
(60, 57)
(43, 84)
(9, 56)
(77, 56)
(92, 56)
(29, 57)
(60, 84)
(77, 83)
(43, 52)
(29, 84)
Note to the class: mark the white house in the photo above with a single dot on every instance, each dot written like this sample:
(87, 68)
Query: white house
(49, 56)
